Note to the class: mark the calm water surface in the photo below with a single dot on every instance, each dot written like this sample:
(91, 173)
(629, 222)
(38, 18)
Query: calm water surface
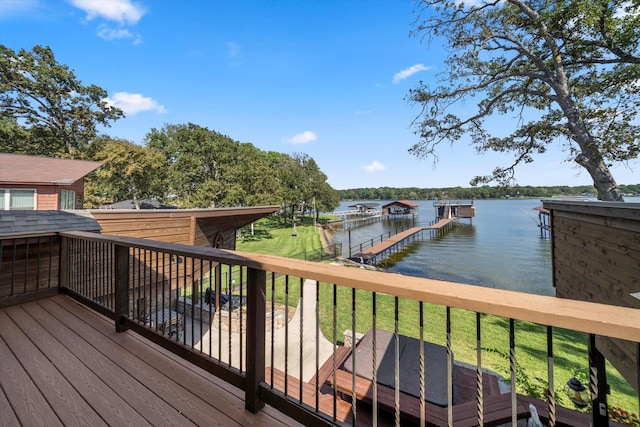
(500, 248)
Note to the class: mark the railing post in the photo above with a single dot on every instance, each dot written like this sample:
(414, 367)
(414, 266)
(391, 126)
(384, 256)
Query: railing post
(598, 385)
(63, 265)
(122, 286)
(256, 302)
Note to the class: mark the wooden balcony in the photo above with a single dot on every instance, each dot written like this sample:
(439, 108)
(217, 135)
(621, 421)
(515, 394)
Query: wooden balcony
(113, 352)
(65, 364)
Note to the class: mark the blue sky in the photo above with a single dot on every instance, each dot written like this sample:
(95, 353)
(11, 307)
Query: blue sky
(328, 78)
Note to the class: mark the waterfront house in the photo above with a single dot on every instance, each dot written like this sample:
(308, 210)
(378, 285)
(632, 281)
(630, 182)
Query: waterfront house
(400, 207)
(42, 183)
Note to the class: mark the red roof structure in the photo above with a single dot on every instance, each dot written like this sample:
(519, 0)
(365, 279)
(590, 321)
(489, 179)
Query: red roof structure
(36, 170)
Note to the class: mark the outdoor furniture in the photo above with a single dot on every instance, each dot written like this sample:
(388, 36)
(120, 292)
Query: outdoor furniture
(167, 322)
(436, 382)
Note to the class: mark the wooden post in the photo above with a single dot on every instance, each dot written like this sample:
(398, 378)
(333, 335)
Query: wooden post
(122, 286)
(63, 269)
(598, 385)
(256, 301)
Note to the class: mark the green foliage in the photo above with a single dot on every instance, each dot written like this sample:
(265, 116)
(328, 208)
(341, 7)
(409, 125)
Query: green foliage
(44, 105)
(129, 171)
(208, 169)
(527, 61)
(484, 192)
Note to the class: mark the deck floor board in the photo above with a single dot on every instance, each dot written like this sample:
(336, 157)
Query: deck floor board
(64, 364)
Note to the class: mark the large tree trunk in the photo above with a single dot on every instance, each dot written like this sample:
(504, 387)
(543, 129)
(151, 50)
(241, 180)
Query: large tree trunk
(603, 181)
(590, 157)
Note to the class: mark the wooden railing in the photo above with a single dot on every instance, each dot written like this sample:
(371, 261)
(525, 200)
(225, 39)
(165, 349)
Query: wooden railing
(190, 300)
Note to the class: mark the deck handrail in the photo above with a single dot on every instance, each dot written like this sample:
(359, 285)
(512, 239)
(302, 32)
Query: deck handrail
(587, 317)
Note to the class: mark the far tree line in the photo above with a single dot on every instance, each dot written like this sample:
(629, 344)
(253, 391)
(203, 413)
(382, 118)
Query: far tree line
(45, 110)
(483, 192)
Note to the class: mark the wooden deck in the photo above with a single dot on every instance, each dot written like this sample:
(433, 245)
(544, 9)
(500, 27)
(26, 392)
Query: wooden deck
(64, 364)
(387, 244)
(441, 223)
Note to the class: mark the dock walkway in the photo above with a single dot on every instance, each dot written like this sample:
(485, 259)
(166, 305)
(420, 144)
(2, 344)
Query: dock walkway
(370, 254)
(387, 244)
(441, 224)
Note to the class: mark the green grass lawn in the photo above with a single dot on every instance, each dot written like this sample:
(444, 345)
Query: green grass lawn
(570, 349)
(279, 241)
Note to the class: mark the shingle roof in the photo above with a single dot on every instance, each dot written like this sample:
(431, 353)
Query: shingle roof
(20, 223)
(20, 169)
(144, 204)
(407, 203)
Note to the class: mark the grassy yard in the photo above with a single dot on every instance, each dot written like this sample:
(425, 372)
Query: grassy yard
(280, 241)
(531, 341)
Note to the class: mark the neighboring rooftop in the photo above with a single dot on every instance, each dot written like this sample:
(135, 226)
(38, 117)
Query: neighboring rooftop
(29, 222)
(22, 169)
(144, 204)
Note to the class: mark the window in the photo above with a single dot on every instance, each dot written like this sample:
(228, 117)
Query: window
(67, 199)
(18, 199)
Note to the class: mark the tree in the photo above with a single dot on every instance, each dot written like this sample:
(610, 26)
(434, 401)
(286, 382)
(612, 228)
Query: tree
(129, 171)
(565, 70)
(46, 98)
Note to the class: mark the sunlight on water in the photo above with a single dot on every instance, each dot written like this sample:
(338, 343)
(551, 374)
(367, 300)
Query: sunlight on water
(501, 247)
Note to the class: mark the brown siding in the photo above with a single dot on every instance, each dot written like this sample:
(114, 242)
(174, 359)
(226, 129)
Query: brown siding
(163, 229)
(206, 233)
(596, 257)
(48, 198)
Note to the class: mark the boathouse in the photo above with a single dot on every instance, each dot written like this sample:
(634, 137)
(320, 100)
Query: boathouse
(365, 208)
(454, 209)
(400, 207)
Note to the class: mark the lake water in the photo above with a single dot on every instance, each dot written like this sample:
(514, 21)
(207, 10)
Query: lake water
(500, 248)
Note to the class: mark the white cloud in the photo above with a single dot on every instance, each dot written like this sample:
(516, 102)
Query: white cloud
(134, 103)
(107, 33)
(121, 11)
(408, 72)
(303, 138)
(374, 166)
(18, 7)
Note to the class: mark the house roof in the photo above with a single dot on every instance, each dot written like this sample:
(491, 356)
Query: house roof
(144, 204)
(21, 169)
(405, 203)
(30, 222)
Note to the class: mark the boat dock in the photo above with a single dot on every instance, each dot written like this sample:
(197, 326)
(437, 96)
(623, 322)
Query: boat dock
(393, 243)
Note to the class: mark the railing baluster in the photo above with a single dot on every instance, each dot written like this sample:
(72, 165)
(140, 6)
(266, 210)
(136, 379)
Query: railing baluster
(479, 385)
(354, 400)
(241, 316)
(449, 369)
(423, 391)
(273, 324)
(38, 261)
(513, 368)
(396, 364)
(551, 397)
(334, 337)
(374, 356)
(229, 311)
(317, 317)
(286, 337)
(301, 337)
(26, 265)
